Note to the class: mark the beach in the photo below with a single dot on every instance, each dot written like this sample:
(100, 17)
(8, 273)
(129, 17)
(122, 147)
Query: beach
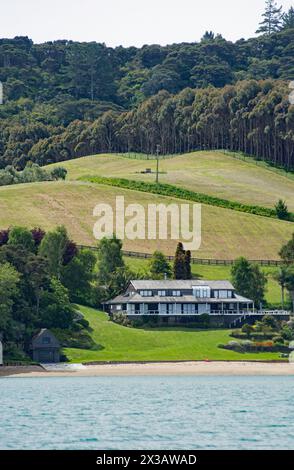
(157, 369)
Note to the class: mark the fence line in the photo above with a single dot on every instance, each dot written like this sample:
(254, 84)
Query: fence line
(201, 261)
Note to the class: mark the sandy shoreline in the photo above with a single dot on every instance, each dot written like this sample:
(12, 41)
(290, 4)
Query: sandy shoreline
(159, 369)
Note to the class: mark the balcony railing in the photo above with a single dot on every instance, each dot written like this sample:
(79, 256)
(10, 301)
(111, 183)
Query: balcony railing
(211, 313)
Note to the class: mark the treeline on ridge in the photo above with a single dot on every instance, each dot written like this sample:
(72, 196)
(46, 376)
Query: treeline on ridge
(252, 117)
(65, 99)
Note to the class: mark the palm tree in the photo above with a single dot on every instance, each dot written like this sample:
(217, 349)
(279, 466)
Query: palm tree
(281, 277)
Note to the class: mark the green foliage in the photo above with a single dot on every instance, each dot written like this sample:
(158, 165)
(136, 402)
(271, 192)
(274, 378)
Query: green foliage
(159, 267)
(249, 280)
(287, 251)
(53, 248)
(179, 267)
(31, 174)
(68, 99)
(109, 259)
(272, 18)
(282, 210)
(21, 236)
(69, 338)
(247, 329)
(59, 173)
(9, 280)
(56, 311)
(78, 275)
(288, 19)
(31, 297)
(281, 277)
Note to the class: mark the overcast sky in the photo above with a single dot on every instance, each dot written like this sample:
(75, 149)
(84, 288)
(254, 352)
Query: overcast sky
(130, 22)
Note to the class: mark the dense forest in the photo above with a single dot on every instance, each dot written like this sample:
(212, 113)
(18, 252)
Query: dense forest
(65, 99)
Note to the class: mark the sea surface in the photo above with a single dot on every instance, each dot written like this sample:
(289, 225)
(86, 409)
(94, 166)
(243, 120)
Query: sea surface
(147, 413)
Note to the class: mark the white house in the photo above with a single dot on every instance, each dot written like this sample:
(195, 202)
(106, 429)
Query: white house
(169, 298)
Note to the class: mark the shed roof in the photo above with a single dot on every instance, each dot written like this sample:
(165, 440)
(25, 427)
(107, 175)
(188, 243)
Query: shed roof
(37, 340)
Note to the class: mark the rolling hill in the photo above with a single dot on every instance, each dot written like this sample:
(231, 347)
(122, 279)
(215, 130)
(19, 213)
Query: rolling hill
(226, 234)
(213, 173)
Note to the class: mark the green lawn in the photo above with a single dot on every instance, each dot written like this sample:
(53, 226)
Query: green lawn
(209, 172)
(118, 343)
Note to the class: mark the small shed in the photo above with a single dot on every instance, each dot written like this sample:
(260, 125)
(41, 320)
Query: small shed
(45, 347)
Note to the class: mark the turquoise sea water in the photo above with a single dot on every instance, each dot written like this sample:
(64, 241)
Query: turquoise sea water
(147, 413)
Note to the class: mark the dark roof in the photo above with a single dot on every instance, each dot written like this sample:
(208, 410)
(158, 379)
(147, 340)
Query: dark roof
(137, 298)
(179, 284)
(44, 333)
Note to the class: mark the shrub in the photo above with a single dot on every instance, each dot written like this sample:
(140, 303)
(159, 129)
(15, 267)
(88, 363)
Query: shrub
(4, 237)
(32, 173)
(121, 319)
(282, 210)
(84, 323)
(74, 339)
(278, 339)
(59, 173)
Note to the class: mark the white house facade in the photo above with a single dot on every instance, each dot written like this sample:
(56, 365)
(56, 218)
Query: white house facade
(179, 298)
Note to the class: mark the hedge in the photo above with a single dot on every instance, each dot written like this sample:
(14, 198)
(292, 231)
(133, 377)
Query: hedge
(180, 193)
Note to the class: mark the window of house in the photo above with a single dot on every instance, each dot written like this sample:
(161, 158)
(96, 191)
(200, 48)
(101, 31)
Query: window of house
(46, 340)
(201, 292)
(131, 309)
(189, 309)
(162, 293)
(223, 294)
(176, 293)
(162, 309)
(146, 293)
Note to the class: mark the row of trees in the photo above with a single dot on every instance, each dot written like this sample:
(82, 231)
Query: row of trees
(64, 99)
(32, 173)
(254, 117)
(62, 72)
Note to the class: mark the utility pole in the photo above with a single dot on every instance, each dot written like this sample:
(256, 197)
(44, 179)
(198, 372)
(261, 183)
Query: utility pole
(157, 162)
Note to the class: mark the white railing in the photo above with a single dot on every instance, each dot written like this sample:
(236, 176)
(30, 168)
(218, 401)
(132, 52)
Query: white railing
(212, 313)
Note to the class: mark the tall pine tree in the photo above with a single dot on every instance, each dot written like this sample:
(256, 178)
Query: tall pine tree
(188, 264)
(288, 19)
(179, 262)
(272, 18)
(182, 263)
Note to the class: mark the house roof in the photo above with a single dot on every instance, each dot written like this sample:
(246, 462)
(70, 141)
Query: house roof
(179, 284)
(137, 298)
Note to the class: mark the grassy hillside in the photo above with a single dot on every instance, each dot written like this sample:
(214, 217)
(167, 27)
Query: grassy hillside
(118, 343)
(225, 233)
(213, 173)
